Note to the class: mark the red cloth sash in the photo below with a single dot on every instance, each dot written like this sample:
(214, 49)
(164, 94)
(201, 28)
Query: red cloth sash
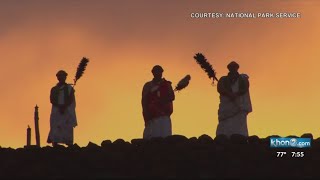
(156, 106)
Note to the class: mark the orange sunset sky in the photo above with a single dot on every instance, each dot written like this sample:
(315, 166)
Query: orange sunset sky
(124, 39)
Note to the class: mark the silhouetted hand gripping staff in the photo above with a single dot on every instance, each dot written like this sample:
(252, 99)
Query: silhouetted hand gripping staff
(63, 116)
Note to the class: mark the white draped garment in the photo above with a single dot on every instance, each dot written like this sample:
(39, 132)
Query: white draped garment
(61, 125)
(158, 127)
(232, 115)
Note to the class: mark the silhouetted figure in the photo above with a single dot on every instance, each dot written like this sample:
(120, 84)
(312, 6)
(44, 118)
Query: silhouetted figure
(157, 97)
(63, 116)
(235, 103)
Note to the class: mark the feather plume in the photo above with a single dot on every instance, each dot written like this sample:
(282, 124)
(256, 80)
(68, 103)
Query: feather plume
(206, 66)
(81, 68)
(183, 83)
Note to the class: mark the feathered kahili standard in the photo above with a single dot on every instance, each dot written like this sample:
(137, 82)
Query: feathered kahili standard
(206, 66)
(81, 68)
(183, 83)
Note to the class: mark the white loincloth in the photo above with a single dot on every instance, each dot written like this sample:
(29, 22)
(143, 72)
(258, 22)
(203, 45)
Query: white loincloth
(232, 115)
(61, 125)
(158, 127)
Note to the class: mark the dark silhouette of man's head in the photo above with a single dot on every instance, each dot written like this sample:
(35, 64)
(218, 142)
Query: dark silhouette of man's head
(233, 70)
(157, 71)
(62, 76)
(233, 67)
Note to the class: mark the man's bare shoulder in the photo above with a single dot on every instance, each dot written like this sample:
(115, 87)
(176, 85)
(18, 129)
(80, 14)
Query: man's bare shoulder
(244, 76)
(70, 88)
(55, 87)
(147, 84)
(222, 78)
(167, 81)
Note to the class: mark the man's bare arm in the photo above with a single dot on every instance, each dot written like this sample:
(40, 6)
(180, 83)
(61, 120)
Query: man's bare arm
(52, 98)
(145, 112)
(245, 89)
(171, 94)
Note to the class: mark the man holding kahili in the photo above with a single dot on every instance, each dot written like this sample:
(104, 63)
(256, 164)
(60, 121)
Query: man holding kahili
(235, 103)
(157, 106)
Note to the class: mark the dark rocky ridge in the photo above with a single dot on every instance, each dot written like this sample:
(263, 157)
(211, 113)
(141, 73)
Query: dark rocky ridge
(174, 156)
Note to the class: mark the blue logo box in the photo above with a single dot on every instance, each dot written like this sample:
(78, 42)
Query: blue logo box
(290, 142)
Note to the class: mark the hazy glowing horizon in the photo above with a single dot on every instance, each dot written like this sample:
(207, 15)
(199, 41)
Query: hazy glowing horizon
(124, 39)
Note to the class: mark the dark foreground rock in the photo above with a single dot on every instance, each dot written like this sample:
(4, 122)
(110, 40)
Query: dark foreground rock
(176, 156)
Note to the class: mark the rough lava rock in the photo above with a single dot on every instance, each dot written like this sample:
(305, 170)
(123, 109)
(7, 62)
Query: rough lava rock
(106, 143)
(307, 135)
(238, 139)
(171, 157)
(205, 139)
(253, 139)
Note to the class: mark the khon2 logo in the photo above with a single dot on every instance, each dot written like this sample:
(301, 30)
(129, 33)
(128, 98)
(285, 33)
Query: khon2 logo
(290, 142)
